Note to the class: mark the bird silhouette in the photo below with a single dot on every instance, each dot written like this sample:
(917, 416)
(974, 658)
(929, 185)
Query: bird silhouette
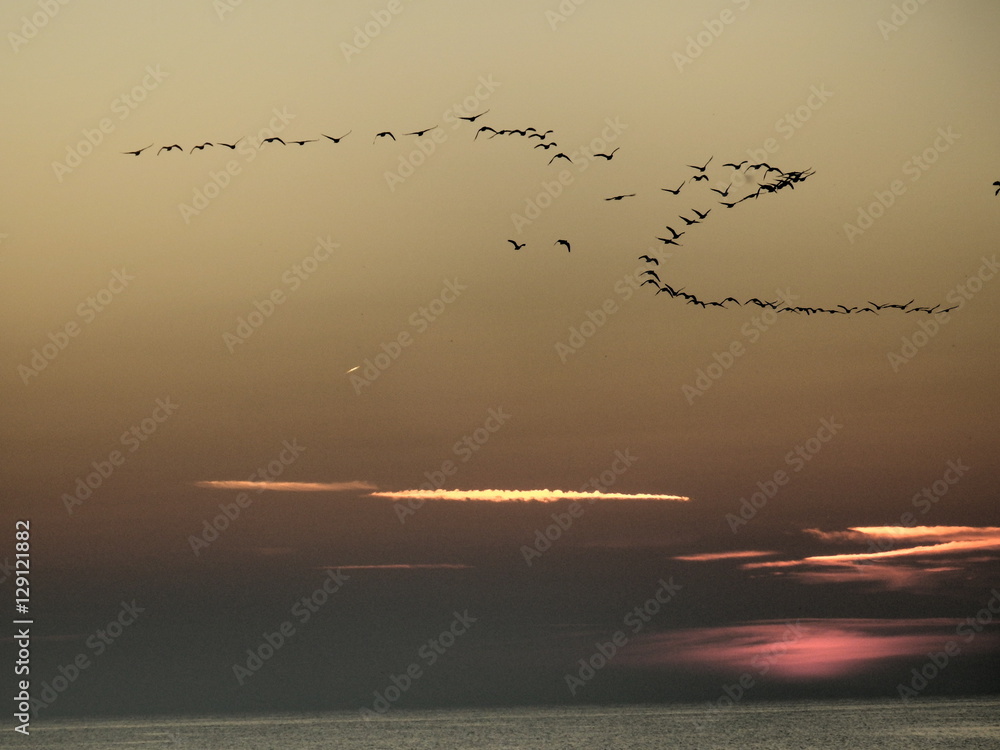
(675, 192)
(702, 169)
(688, 221)
(677, 235)
(419, 133)
(272, 140)
(564, 243)
(619, 197)
(700, 214)
(699, 177)
(649, 259)
(473, 118)
(650, 281)
(169, 148)
(231, 146)
(607, 156)
(728, 205)
(651, 273)
(136, 153)
(560, 155)
(735, 166)
(546, 146)
(484, 128)
(669, 242)
(201, 147)
(337, 140)
(384, 134)
(997, 186)
(302, 143)
(723, 193)
(516, 246)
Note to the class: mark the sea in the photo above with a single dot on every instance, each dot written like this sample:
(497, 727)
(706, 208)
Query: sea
(808, 725)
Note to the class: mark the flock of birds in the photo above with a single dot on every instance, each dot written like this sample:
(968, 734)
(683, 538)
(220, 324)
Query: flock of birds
(760, 185)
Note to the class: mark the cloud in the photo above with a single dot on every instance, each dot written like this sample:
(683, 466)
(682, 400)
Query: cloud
(897, 557)
(714, 556)
(798, 651)
(514, 496)
(287, 486)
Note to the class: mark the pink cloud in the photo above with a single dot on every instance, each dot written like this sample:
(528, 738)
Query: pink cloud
(713, 556)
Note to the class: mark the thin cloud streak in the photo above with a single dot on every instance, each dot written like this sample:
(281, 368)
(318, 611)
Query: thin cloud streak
(287, 486)
(514, 496)
(401, 566)
(714, 556)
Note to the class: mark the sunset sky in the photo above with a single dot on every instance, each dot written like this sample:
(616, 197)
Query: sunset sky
(243, 379)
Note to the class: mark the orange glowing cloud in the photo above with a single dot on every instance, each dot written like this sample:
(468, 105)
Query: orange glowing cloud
(798, 651)
(520, 496)
(287, 486)
(713, 556)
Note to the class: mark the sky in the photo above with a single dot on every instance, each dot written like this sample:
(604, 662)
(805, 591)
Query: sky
(341, 424)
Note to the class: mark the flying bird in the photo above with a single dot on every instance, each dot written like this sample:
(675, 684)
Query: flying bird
(169, 148)
(232, 146)
(648, 259)
(723, 193)
(419, 133)
(136, 153)
(700, 214)
(337, 140)
(997, 186)
(669, 242)
(473, 118)
(485, 127)
(699, 177)
(702, 169)
(677, 235)
(516, 246)
(546, 146)
(607, 156)
(562, 242)
(384, 134)
(272, 140)
(735, 166)
(689, 222)
(302, 143)
(651, 273)
(201, 147)
(560, 155)
(619, 197)
(675, 192)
